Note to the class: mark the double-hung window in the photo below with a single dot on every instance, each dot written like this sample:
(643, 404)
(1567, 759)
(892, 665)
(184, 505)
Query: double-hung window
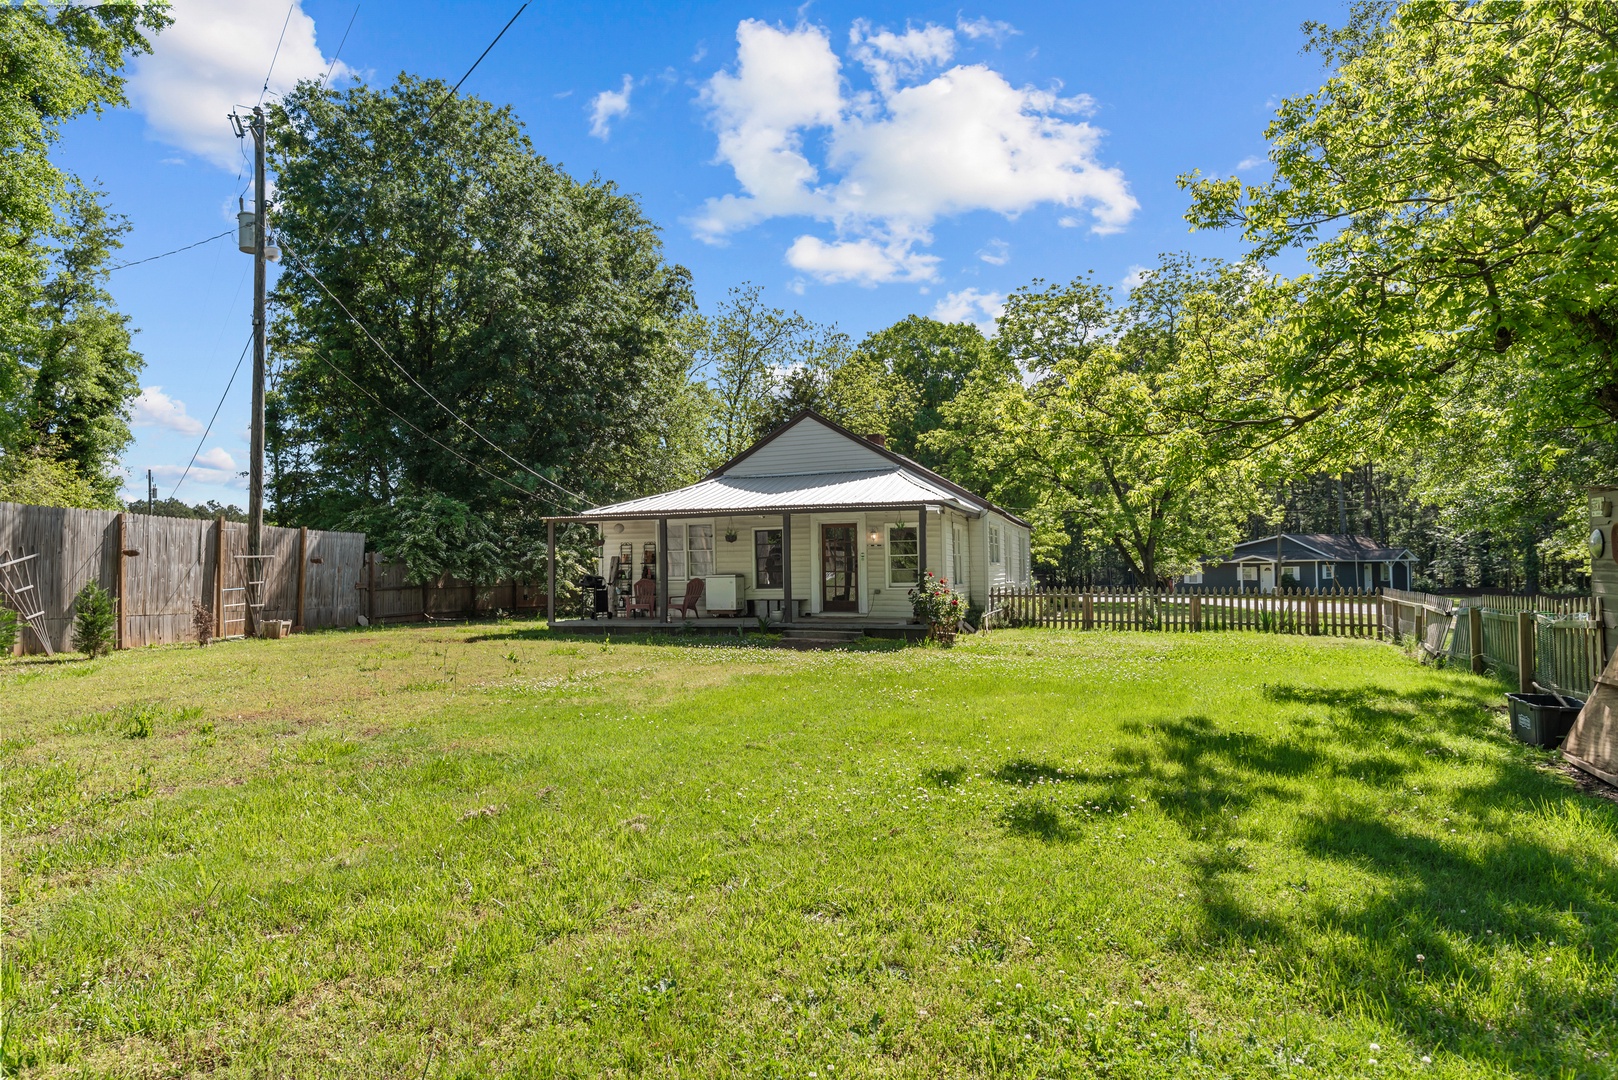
(767, 559)
(1328, 572)
(904, 555)
(1249, 572)
(690, 551)
(958, 556)
(994, 544)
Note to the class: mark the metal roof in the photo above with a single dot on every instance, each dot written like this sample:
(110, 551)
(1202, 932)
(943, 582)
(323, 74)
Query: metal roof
(896, 488)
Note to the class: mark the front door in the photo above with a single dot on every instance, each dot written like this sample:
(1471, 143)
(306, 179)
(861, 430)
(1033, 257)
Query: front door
(1266, 579)
(839, 568)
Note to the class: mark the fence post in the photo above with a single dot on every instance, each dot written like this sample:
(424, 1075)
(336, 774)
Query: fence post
(1196, 612)
(370, 591)
(1314, 615)
(303, 565)
(1525, 652)
(1474, 633)
(1089, 610)
(1419, 620)
(219, 578)
(122, 584)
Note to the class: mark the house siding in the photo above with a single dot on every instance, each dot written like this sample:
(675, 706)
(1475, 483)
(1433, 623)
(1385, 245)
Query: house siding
(808, 447)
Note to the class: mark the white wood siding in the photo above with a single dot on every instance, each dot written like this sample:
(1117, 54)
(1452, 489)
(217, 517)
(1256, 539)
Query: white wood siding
(810, 447)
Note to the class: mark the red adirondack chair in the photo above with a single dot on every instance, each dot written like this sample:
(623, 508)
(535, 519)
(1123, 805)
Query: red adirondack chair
(642, 597)
(688, 606)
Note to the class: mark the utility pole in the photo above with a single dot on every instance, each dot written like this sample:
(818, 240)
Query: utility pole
(258, 247)
(151, 494)
(255, 475)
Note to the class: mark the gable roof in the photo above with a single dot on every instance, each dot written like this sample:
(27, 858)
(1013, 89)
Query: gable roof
(1321, 546)
(909, 464)
(892, 481)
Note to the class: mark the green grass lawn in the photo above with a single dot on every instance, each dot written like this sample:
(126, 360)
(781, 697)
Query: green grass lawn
(493, 851)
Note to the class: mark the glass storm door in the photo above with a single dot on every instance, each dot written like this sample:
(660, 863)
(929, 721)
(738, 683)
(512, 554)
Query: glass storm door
(839, 568)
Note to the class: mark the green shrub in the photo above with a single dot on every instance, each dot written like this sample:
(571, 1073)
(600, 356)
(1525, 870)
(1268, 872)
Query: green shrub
(95, 616)
(8, 632)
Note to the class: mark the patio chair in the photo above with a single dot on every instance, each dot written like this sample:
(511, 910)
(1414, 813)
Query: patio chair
(688, 606)
(642, 597)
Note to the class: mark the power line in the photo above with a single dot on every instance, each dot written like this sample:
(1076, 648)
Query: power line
(419, 431)
(277, 52)
(333, 65)
(297, 264)
(176, 251)
(475, 64)
(211, 419)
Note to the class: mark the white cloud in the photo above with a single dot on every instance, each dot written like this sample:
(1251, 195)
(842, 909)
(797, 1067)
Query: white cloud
(1134, 277)
(984, 27)
(1252, 161)
(214, 58)
(153, 408)
(971, 306)
(915, 147)
(608, 106)
(996, 253)
(864, 262)
(213, 466)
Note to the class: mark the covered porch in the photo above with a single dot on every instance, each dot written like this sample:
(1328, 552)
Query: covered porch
(844, 565)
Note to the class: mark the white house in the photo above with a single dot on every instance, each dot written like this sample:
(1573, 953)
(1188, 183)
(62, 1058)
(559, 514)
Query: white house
(836, 522)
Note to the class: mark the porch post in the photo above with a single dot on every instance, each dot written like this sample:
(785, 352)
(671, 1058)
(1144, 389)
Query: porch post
(550, 574)
(921, 542)
(786, 569)
(663, 569)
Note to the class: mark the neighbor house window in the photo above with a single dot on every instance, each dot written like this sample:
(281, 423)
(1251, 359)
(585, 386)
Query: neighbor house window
(767, 559)
(1249, 573)
(1328, 572)
(1193, 579)
(904, 555)
(690, 551)
(994, 544)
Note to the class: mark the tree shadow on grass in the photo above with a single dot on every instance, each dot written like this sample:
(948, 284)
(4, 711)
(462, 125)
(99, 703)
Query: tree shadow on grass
(1433, 898)
(1331, 793)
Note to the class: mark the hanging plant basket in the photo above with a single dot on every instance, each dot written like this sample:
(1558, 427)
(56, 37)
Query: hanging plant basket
(730, 536)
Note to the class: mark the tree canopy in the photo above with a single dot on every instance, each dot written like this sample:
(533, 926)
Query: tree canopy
(432, 254)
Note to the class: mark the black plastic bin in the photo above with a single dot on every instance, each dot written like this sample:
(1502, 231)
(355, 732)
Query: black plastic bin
(1542, 720)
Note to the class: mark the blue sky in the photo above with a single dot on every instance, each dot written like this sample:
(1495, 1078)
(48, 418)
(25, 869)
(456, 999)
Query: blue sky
(860, 161)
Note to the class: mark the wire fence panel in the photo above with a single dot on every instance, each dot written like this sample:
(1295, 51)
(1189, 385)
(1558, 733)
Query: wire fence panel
(1567, 653)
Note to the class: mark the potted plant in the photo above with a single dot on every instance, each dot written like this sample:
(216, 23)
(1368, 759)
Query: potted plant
(730, 536)
(939, 607)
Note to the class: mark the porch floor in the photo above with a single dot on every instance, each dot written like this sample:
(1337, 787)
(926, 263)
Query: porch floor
(734, 623)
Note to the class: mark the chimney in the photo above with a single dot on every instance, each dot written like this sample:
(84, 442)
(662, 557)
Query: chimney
(880, 440)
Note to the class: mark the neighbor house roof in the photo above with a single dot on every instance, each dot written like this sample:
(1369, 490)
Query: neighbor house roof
(1306, 547)
(895, 482)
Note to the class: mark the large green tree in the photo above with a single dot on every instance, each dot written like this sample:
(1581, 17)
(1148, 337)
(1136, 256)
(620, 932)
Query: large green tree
(67, 370)
(923, 363)
(1453, 187)
(537, 308)
(1137, 426)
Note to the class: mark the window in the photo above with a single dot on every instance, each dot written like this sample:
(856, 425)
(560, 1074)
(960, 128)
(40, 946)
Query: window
(1249, 572)
(904, 555)
(958, 556)
(1022, 547)
(767, 559)
(1192, 579)
(699, 549)
(1328, 572)
(690, 551)
(994, 544)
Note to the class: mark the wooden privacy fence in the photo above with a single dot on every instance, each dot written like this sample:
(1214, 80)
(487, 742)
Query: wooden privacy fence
(388, 595)
(158, 567)
(1336, 614)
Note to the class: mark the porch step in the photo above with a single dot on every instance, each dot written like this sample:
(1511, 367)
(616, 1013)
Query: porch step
(819, 637)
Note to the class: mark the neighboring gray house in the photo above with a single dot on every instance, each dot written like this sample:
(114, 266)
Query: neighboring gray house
(1314, 561)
